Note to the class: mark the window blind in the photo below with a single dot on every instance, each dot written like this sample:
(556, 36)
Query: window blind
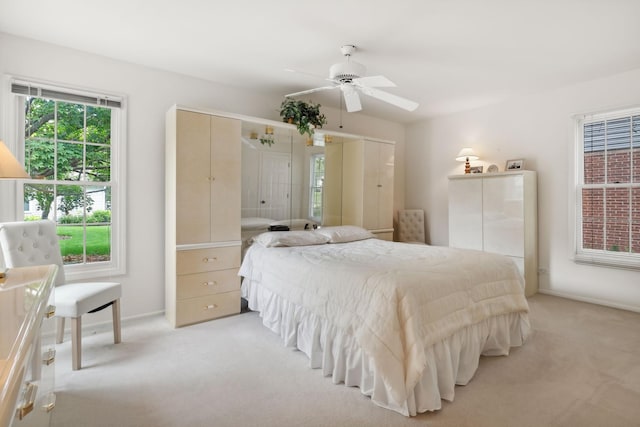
(42, 91)
(616, 133)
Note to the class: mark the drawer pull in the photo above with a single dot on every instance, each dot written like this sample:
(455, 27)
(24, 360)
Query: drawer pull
(212, 259)
(210, 307)
(51, 311)
(49, 357)
(48, 407)
(29, 398)
(210, 283)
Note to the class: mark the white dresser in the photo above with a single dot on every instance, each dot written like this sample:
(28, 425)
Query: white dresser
(27, 346)
(497, 212)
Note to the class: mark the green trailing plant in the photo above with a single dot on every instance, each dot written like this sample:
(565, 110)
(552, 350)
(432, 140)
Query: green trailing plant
(267, 141)
(305, 115)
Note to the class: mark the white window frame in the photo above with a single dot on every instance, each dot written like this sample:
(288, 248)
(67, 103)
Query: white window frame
(579, 254)
(14, 131)
(312, 166)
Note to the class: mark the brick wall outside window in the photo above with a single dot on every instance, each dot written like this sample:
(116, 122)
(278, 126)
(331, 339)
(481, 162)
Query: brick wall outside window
(611, 215)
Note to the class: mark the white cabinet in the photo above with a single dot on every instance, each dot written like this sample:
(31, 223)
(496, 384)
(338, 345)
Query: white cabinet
(202, 215)
(367, 186)
(27, 347)
(497, 213)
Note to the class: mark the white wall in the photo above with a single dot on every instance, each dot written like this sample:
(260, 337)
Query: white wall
(150, 93)
(537, 128)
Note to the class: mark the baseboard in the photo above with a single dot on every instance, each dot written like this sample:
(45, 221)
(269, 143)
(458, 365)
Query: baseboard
(596, 301)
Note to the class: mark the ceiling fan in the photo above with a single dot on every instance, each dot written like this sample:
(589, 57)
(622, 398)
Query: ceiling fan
(349, 77)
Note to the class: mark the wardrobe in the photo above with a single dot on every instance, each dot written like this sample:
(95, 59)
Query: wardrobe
(497, 212)
(202, 216)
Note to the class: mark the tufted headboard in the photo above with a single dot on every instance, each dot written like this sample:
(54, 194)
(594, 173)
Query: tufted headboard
(411, 226)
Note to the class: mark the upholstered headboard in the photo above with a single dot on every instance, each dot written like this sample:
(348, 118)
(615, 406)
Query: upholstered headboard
(411, 226)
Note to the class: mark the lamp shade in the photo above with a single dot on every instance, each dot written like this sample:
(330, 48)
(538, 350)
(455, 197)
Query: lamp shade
(9, 166)
(466, 154)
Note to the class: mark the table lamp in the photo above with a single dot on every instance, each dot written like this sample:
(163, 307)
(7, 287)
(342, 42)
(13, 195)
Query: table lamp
(465, 155)
(9, 165)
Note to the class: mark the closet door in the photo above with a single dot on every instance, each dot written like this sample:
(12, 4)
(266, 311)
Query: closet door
(386, 161)
(378, 185)
(193, 172)
(225, 183)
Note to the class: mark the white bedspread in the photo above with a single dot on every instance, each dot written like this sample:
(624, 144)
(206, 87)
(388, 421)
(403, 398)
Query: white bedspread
(395, 299)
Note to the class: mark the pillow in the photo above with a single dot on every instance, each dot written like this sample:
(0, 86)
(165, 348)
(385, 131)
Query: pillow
(345, 233)
(290, 238)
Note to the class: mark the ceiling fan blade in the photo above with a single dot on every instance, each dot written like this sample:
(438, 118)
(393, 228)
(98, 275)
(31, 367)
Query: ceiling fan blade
(374, 81)
(390, 98)
(351, 98)
(304, 92)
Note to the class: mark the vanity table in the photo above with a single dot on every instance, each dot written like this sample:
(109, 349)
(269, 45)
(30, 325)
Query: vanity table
(27, 346)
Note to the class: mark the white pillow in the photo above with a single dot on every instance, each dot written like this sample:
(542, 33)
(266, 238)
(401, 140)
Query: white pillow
(290, 238)
(345, 233)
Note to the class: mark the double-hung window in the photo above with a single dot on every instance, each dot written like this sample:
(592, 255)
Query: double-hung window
(608, 188)
(315, 189)
(72, 143)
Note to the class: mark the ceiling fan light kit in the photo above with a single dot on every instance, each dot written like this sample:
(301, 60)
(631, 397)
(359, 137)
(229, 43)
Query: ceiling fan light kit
(350, 77)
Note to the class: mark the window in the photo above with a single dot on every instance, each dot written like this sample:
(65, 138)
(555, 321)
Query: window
(72, 142)
(608, 189)
(315, 190)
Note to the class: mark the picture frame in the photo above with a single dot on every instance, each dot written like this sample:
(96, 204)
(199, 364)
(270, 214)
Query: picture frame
(514, 165)
(476, 169)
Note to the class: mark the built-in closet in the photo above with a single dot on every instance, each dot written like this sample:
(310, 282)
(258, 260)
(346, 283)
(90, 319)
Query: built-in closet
(230, 177)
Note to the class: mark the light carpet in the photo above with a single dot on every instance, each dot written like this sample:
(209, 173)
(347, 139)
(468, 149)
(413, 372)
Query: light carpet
(580, 367)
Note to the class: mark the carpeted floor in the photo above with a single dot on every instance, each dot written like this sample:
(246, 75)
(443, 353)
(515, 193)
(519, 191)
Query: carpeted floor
(580, 367)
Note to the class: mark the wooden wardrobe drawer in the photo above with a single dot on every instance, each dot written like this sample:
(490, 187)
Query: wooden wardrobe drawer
(209, 259)
(211, 282)
(199, 309)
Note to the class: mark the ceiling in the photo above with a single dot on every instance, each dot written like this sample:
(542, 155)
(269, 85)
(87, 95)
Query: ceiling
(447, 55)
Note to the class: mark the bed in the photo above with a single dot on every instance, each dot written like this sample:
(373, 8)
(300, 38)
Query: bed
(405, 323)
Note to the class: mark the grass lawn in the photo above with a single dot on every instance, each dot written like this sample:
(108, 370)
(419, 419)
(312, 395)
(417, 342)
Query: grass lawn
(98, 239)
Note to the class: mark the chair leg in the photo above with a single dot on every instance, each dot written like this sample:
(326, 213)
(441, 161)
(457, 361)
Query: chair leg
(115, 309)
(60, 331)
(76, 342)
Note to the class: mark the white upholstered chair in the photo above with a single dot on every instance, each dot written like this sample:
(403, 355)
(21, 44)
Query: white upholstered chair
(35, 243)
(411, 226)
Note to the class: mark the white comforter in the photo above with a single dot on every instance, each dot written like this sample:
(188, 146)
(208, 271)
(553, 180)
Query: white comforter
(395, 299)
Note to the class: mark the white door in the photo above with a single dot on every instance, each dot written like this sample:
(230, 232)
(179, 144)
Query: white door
(275, 184)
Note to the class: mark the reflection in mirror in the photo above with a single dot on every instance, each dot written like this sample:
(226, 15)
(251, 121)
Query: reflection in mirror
(277, 179)
(289, 180)
(266, 174)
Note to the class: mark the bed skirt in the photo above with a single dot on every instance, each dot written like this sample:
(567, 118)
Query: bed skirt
(449, 362)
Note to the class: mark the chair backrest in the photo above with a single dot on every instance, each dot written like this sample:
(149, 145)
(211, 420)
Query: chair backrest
(411, 225)
(28, 243)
